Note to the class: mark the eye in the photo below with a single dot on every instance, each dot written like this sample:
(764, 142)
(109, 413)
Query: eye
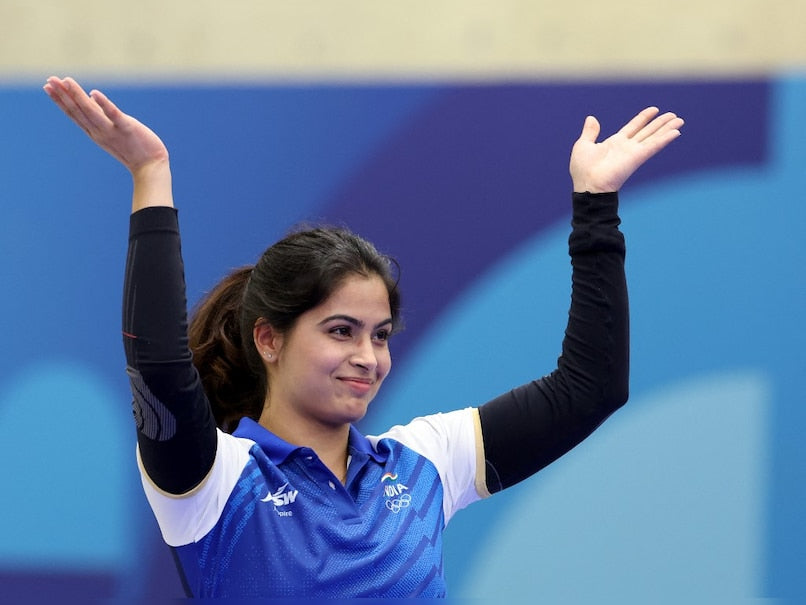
(382, 335)
(342, 331)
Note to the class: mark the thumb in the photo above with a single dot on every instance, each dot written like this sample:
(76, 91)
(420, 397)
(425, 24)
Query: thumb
(590, 130)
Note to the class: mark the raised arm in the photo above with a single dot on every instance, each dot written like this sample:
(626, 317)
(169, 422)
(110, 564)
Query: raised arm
(176, 432)
(531, 426)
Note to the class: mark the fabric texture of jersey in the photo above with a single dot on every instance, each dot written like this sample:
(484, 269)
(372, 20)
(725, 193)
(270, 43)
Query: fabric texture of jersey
(271, 514)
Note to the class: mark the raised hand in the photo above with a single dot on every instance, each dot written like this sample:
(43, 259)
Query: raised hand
(606, 166)
(129, 141)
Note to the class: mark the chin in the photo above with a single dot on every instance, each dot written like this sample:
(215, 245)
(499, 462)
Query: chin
(357, 416)
(356, 412)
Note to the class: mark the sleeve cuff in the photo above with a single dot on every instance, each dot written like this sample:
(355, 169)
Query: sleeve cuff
(153, 218)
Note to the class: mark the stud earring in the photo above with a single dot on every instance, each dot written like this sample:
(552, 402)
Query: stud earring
(267, 354)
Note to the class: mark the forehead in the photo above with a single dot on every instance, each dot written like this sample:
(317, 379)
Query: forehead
(358, 296)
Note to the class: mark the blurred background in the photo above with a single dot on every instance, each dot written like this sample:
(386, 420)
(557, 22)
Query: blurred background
(440, 130)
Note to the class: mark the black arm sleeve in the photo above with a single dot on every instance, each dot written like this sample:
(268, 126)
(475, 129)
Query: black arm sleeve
(176, 431)
(533, 425)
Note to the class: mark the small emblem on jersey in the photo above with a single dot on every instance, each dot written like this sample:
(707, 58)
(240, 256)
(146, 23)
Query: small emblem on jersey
(397, 504)
(282, 497)
(396, 494)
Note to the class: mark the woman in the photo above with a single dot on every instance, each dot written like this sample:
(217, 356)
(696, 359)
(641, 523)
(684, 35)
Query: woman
(246, 446)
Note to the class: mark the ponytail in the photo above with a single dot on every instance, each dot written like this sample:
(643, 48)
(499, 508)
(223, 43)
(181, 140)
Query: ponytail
(233, 387)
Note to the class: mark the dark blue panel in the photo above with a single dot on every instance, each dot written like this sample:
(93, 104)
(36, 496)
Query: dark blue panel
(483, 168)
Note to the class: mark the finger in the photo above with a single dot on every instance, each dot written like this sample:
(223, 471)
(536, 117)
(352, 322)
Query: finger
(50, 85)
(590, 130)
(660, 139)
(667, 121)
(639, 121)
(59, 92)
(94, 116)
(110, 110)
(72, 99)
(67, 95)
(53, 88)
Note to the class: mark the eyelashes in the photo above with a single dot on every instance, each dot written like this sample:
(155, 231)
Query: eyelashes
(347, 331)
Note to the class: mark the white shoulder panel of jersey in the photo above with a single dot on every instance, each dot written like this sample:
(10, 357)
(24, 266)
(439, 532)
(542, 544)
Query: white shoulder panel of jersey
(451, 443)
(189, 517)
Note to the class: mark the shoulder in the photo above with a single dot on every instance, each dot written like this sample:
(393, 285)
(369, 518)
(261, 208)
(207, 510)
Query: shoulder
(433, 435)
(187, 517)
(452, 443)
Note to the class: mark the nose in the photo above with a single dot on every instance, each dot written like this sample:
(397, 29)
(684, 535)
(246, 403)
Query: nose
(364, 355)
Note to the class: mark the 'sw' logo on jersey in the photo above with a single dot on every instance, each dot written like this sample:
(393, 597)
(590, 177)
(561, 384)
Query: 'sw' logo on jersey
(281, 497)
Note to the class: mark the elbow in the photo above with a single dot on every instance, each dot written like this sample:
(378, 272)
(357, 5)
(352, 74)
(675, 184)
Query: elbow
(616, 390)
(600, 393)
(618, 398)
(615, 393)
(605, 397)
(603, 405)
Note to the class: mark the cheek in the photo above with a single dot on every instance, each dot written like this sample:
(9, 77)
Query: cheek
(327, 360)
(315, 360)
(385, 364)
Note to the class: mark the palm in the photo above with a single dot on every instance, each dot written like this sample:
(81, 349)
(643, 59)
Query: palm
(131, 142)
(606, 166)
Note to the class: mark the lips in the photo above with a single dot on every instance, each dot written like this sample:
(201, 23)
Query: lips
(361, 385)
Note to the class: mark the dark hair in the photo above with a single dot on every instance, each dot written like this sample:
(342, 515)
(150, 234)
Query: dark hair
(292, 276)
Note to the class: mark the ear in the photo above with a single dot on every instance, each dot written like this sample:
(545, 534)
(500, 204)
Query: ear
(268, 341)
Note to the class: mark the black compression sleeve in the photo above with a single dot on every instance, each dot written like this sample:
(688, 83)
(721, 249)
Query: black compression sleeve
(176, 430)
(533, 425)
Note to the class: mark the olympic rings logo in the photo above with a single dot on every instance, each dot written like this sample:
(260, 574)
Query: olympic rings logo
(398, 503)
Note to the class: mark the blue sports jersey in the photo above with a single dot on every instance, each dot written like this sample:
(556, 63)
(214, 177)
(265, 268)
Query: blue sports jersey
(271, 520)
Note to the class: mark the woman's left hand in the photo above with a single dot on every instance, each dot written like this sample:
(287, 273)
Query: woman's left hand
(604, 167)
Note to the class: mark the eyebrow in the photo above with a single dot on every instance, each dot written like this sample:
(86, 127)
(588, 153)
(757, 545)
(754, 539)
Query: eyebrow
(352, 320)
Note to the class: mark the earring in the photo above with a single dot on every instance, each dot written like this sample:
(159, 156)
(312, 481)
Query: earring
(267, 354)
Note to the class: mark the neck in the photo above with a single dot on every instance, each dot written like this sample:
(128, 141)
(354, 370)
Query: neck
(329, 442)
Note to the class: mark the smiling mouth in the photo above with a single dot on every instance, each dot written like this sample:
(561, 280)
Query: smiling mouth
(356, 380)
(358, 384)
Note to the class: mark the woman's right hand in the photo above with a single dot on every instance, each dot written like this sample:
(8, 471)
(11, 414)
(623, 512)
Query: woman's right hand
(126, 139)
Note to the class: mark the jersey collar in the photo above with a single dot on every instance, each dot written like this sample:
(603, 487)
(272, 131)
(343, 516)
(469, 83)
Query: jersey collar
(279, 450)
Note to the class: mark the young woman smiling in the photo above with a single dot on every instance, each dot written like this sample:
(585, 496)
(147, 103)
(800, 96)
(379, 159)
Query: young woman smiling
(246, 445)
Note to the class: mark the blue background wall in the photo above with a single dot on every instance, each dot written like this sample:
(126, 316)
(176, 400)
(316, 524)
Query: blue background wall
(694, 491)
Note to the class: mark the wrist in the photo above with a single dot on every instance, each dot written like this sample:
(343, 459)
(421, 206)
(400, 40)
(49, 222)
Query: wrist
(583, 186)
(152, 185)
